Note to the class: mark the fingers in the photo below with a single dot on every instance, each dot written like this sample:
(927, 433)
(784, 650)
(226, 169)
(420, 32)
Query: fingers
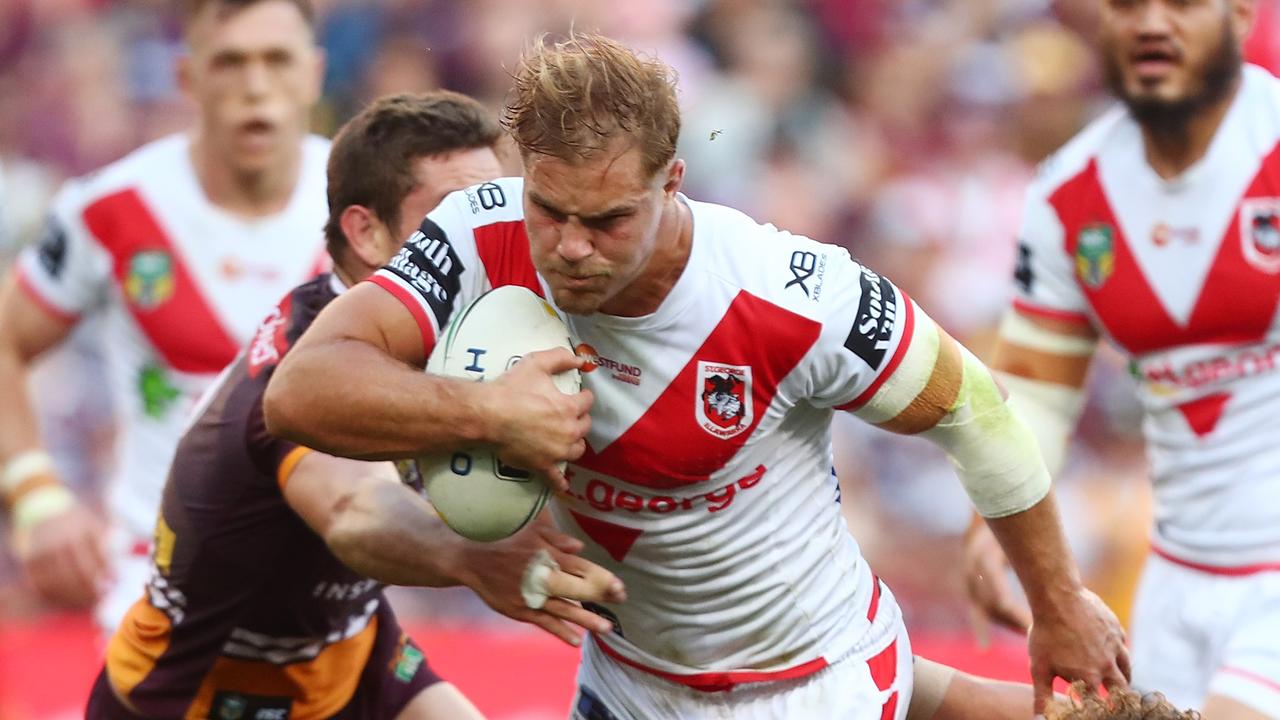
(1122, 665)
(576, 614)
(556, 360)
(989, 591)
(1042, 688)
(555, 479)
(87, 567)
(581, 579)
(551, 624)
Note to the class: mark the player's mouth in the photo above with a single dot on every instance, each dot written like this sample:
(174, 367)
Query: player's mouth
(1153, 64)
(577, 282)
(256, 134)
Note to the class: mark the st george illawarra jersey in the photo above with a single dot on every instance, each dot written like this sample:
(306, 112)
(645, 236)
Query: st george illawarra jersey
(181, 285)
(707, 486)
(1184, 276)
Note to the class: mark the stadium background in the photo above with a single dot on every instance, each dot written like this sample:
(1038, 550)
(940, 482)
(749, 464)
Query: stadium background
(902, 129)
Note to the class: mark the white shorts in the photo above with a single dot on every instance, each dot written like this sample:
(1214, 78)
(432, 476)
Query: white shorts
(844, 690)
(1197, 633)
(130, 559)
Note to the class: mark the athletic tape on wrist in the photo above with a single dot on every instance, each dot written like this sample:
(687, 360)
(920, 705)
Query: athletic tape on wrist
(40, 504)
(23, 466)
(533, 586)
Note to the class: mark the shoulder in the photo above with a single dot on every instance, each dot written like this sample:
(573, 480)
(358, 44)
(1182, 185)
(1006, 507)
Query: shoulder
(495, 201)
(156, 162)
(788, 270)
(1073, 157)
(286, 322)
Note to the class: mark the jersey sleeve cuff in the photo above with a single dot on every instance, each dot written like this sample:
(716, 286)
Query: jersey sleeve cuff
(407, 298)
(29, 288)
(908, 332)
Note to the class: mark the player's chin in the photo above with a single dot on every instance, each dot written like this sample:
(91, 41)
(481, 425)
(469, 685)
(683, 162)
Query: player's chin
(577, 301)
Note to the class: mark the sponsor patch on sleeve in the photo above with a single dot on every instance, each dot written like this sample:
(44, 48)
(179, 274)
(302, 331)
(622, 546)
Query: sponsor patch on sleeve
(877, 312)
(430, 265)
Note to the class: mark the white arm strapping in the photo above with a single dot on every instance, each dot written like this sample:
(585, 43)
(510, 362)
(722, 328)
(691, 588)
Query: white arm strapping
(995, 453)
(1051, 410)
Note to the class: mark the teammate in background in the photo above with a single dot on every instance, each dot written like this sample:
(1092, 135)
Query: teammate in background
(183, 245)
(265, 593)
(701, 478)
(1159, 227)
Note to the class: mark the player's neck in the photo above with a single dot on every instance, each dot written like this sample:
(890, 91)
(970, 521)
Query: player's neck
(675, 240)
(250, 195)
(1171, 148)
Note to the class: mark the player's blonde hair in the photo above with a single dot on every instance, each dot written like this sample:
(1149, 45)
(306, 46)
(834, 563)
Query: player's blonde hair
(571, 98)
(1085, 704)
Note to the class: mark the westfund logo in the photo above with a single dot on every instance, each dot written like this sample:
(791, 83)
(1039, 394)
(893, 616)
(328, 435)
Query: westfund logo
(873, 328)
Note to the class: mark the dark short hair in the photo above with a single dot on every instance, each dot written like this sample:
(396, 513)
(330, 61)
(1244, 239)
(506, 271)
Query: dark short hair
(193, 8)
(371, 162)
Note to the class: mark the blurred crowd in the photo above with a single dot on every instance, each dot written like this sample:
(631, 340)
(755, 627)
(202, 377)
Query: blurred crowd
(904, 130)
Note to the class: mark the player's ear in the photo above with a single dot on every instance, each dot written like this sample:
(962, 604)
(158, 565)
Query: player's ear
(357, 223)
(1243, 14)
(675, 178)
(319, 61)
(182, 72)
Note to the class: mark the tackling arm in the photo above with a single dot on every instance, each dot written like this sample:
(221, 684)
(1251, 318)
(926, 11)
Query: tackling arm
(383, 529)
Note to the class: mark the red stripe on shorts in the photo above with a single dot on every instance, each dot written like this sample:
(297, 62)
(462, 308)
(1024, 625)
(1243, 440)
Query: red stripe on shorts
(718, 681)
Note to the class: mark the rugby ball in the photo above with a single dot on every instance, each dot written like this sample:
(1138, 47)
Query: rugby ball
(477, 495)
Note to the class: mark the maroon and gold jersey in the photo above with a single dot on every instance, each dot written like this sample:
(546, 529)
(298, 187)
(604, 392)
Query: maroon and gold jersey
(246, 608)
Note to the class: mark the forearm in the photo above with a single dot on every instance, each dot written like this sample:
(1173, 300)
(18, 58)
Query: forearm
(348, 398)
(391, 534)
(1037, 549)
(18, 429)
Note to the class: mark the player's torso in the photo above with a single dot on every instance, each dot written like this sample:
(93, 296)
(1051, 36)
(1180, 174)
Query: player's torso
(190, 283)
(707, 484)
(1184, 275)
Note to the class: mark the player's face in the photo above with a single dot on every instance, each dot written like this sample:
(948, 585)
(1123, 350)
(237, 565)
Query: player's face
(1172, 56)
(593, 224)
(439, 175)
(254, 72)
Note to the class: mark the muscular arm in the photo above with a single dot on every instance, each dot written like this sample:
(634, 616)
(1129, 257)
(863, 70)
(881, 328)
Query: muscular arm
(384, 530)
(942, 392)
(352, 387)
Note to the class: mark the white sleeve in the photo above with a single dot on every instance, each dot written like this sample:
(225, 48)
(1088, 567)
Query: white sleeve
(1045, 276)
(866, 325)
(67, 271)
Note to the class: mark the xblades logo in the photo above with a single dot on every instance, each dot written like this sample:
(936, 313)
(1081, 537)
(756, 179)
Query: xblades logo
(802, 267)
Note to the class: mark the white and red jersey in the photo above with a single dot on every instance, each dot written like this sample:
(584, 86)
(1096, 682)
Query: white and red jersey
(181, 285)
(707, 486)
(1184, 276)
